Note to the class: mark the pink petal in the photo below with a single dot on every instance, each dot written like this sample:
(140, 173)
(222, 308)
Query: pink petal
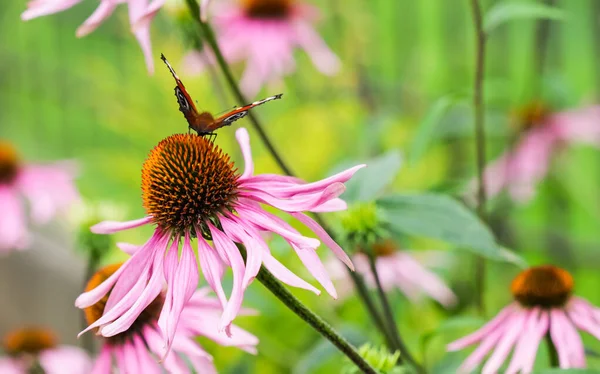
(13, 229)
(130, 249)
(526, 340)
(296, 205)
(325, 238)
(285, 275)
(11, 366)
(172, 362)
(170, 269)
(244, 140)
(103, 362)
(65, 360)
(580, 125)
(129, 359)
(574, 343)
(205, 324)
(540, 332)
(333, 205)
(486, 330)
(104, 10)
(147, 364)
(503, 347)
(557, 335)
(43, 8)
(253, 247)
(238, 268)
(212, 268)
(111, 227)
(487, 344)
(204, 10)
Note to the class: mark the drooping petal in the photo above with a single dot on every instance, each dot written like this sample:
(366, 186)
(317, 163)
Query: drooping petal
(579, 125)
(557, 335)
(146, 364)
(13, 229)
(104, 10)
(244, 141)
(486, 330)
(111, 227)
(103, 363)
(254, 248)
(128, 248)
(285, 275)
(212, 269)
(505, 344)
(11, 366)
(299, 204)
(526, 339)
(487, 344)
(172, 362)
(38, 8)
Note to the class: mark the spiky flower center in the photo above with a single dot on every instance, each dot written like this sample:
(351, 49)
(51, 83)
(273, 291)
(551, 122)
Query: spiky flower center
(545, 286)
(384, 248)
(93, 313)
(267, 9)
(531, 116)
(9, 162)
(31, 340)
(187, 181)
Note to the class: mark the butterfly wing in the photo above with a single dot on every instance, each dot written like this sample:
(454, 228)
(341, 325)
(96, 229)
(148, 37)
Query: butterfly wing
(186, 104)
(238, 113)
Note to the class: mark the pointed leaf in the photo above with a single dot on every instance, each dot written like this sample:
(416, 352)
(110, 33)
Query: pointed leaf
(368, 183)
(510, 10)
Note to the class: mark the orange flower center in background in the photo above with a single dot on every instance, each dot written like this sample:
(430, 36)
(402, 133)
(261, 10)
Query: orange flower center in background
(186, 181)
(31, 340)
(267, 9)
(94, 312)
(545, 286)
(533, 115)
(9, 162)
(384, 248)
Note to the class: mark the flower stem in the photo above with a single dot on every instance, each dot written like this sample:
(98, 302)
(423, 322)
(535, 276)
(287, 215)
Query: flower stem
(389, 315)
(210, 39)
(269, 281)
(478, 111)
(552, 353)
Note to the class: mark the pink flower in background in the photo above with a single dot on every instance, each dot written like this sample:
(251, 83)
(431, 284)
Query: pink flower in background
(191, 189)
(265, 33)
(398, 269)
(47, 189)
(543, 305)
(141, 13)
(29, 347)
(141, 348)
(525, 164)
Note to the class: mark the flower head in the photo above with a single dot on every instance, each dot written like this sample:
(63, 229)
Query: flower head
(141, 13)
(48, 189)
(265, 34)
(192, 190)
(34, 347)
(141, 346)
(543, 306)
(541, 134)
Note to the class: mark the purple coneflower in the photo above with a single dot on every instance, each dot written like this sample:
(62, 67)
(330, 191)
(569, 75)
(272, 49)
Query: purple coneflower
(31, 349)
(141, 347)
(191, 189)
(48, 189)
(265, 34)
(543, 308)
(141, 13)
(543, 133)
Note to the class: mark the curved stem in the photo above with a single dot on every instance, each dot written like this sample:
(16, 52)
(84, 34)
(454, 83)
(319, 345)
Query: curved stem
(478, 111)
(389, 315)
(210, 39)
(269, 281)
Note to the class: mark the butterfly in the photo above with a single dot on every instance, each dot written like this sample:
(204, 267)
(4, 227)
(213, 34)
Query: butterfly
(205, 123)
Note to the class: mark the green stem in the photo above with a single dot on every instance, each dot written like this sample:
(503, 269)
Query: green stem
(209, 37)
(552, 353)
(391, 321)
(270, 282)
(478, 111)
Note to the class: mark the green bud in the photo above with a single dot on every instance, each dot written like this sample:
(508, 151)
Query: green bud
(379, 358)
(361, 225)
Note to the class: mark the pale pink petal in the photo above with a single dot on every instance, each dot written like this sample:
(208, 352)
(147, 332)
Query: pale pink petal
(103, 364)
(238, 268)
(40, 8)
(285, 275)
(170, 269)
(104, 10)
(321, 56)
(541, 330)
(505, 344)
(486, 330)
(172, 362)
(130, 249)
(13, 229)
(130, 358)
(557, 335)
(333, 205)
(325, 238)
(212, 268)
(253, 247)
(111, 227)
(526, 340)
(204, 10)
(65, 360)
(487, 344)
(573, 342)
(11, 366)
(244, 141)
(580, 125)
(146, 363)
(296, 205)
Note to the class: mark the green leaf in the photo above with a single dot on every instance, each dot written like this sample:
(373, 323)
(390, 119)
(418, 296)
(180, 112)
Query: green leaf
(440, 217)
(368, 183)
(509, 10)
(450, 324)
(426, 130)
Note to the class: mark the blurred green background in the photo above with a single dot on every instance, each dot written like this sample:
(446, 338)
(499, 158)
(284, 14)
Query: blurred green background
(92, 100)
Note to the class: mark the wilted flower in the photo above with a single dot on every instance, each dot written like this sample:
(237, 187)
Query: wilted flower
(397, 269)
(33, 348)
(543, 306)
(543, 133)
(192, 189)
(141, 13)
(141, 347)
(48, 189)
(265, 34)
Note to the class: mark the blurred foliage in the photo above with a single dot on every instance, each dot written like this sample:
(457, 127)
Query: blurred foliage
(91, 99)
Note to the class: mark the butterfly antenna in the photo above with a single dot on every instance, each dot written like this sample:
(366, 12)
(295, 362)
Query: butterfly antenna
(162, 57)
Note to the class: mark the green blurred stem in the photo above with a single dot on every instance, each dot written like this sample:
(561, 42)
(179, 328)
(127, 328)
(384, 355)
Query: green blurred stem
(478, 111)
(552, 353)
(209, 36)
(399, 344)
